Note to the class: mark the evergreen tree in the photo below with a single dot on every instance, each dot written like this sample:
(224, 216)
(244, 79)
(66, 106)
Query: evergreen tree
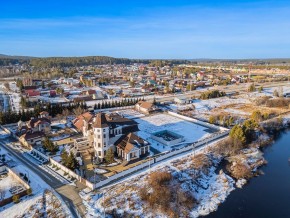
(49, 145)
(109, 156)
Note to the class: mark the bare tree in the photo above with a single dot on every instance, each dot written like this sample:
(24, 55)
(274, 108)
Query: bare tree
(78, 111)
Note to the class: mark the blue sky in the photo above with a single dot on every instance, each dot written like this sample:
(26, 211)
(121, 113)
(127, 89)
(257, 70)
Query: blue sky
(146, 29)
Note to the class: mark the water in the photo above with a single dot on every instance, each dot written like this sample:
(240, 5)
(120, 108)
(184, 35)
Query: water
(267, 195)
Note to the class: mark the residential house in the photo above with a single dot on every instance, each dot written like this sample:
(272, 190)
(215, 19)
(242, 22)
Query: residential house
(132, 147)
(145, 107)
(104, 131)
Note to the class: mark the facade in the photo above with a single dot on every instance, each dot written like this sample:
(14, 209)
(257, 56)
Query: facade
(32, 138)
(132, 147)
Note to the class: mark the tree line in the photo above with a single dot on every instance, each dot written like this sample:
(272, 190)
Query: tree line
(53, 109)
(82, 61)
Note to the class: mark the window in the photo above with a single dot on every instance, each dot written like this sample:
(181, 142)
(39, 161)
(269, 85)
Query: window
(100, 153)
(104, 135)
(98, 130)
(99, 145)
(104, 144)
(99, 136)
(104, 130)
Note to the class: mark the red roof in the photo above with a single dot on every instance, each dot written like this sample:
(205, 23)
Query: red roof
(32, 92)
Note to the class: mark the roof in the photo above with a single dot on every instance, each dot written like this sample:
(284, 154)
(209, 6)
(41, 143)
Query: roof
(43, 112)
(79, 121)
(145, 104)
(91, 92)
(131, 141)
(32, 92)
(36, 121)
(101, 121)
(33, 135)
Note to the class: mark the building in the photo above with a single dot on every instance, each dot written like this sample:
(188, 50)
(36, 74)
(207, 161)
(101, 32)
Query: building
(105, 131)
(182, 100)
(145, 107)
(132, 147)
(33, 131)
(30, 138)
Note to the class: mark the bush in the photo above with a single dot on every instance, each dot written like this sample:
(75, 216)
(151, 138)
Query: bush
(201, 161)
(278, 102)
(240, 171)
(29, 191)
(15, 198)
(212, 94)
(159, 178)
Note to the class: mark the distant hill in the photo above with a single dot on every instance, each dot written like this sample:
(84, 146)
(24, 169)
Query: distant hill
(48, 62)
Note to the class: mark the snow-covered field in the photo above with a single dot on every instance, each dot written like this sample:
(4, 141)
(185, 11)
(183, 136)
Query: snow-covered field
(192, 132)
(207, 105)
(209, 189)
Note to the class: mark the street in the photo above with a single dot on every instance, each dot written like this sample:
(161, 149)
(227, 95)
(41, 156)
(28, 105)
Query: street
(68, 193)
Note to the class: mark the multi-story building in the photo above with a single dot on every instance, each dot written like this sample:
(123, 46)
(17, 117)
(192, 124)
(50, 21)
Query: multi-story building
(107, 131)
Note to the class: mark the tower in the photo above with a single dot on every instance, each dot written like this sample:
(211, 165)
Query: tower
(101, 132)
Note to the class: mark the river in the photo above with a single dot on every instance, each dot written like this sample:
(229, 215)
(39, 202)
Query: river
(267, 195)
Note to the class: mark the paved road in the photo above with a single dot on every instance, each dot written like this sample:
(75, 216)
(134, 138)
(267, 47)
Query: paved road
(71, 197)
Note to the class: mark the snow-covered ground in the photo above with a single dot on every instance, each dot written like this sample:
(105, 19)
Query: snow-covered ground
(37, 185)
(209, 188)
(8, 183)
(130, 113)
(207, 105)
(192, 132)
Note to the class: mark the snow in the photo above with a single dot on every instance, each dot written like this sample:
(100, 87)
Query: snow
(130, 114)
(209, 188)
(241, 182)
(57, 138)
(7, 181)
(37, 185)
(192, 132)
(99, 171)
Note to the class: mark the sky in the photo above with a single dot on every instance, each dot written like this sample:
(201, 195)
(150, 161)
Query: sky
(171, 29)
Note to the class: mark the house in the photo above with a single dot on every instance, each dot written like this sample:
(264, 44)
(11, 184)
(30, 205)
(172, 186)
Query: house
(31, 138)
(104, 131)
(182, 100)
(41, 124)
(151, 83)
(145, 107)
(33, 131)
(132, 147)
(52, 93)
(32, 93)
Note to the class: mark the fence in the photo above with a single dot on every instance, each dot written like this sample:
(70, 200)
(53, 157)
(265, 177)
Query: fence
(20, 194)
(43, 156)
(155, 160)
(71, 173)
(124, 173)
(197, 121)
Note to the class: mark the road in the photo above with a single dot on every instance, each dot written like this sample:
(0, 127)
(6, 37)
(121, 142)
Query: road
(68, 193)
(241, 88)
